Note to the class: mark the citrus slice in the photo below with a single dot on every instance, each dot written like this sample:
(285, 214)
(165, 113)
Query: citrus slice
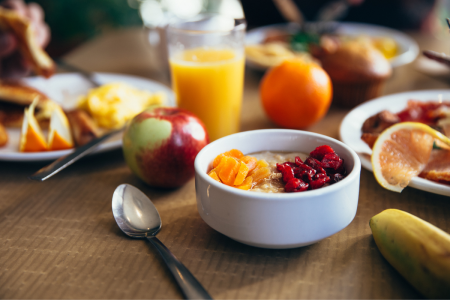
(31, 137)
(402, 152)
(59, 137)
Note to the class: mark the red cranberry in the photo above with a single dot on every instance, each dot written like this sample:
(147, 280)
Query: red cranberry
(322, 176)
(323, 167)
(321, 151)
(298, 161)
(305, 172)
(332, 161)
(318, 183)
(286, 170)
(296, 185)
(315, 164)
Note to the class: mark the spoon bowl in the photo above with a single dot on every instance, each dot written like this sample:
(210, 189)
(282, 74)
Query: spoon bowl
(137, 217)
(135, 214)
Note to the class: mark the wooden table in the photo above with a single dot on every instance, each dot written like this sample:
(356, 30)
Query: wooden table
(58, 239)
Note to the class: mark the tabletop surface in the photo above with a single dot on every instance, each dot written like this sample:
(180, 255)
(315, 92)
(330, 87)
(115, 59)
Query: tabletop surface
(58, 238)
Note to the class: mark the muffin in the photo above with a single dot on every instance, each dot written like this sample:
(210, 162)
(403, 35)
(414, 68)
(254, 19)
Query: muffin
(358, 72)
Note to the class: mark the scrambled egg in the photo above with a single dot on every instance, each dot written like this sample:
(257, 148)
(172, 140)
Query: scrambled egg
(113, 104)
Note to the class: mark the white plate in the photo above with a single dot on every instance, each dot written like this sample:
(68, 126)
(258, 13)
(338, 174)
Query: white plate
(408, 48)
(350, 129)
(65, 90)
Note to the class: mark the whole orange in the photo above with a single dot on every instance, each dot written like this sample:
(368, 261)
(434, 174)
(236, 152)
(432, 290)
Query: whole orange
(296, 94)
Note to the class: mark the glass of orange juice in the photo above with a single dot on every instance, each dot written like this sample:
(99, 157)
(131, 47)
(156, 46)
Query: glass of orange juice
(206, 58)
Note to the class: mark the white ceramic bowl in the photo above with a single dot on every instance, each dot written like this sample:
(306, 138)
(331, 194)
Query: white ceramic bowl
(284, 220)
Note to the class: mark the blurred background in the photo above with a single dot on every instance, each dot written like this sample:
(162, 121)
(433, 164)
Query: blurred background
(73, 22)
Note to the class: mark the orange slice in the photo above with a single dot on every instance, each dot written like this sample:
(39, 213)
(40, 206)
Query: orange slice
(250, 161)
(246, 185)
(217, 160)
(229, 167)
(401, 152)
(60, 137)
(31, 137)
(214, 176)
(241, 174)
(234, 153)
(260, 174)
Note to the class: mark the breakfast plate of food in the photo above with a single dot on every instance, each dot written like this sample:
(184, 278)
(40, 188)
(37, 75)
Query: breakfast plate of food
(269, 45)
(361, 127)
(44, 119)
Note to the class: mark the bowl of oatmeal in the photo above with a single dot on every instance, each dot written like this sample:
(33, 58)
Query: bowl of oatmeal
(266, 215)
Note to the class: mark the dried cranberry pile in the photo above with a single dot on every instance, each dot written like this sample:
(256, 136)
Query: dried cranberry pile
(321, 167)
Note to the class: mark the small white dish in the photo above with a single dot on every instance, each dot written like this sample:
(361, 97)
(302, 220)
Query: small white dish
(350, 129)
(284, 220)
(65, 89)
(408, 48)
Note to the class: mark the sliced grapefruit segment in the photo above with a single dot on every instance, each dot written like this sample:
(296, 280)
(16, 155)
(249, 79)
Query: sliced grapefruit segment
(31, 136)
(401, 152)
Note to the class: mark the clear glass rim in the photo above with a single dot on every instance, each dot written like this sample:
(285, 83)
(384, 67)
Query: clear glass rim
(239, 25)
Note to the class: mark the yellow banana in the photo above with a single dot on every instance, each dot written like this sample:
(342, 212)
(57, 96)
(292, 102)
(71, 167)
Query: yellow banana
(419, 251)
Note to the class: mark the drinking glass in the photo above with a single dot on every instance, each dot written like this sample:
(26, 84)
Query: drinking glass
(206, 58)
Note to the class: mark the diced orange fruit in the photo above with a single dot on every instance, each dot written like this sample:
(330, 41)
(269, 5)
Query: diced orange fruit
(214, 175)
(247, 184)
(228, 171)
(262, 164)
(241, 174)
(234, 153)
(260, 174)
(217, 160)
(253, 171)
(250, 161)
(234, 169)
(220, 165)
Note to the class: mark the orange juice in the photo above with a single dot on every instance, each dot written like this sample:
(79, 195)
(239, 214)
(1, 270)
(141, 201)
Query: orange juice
(209, 83)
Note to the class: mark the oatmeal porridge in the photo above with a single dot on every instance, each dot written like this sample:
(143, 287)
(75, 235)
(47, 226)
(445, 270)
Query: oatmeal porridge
(274, 182)
(278, 172)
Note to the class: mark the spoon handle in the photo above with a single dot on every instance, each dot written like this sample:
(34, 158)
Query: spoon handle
(189, 285)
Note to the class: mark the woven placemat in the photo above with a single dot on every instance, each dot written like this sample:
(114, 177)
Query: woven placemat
(58, 239)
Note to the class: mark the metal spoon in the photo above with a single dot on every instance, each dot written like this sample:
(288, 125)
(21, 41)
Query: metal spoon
(138, 218)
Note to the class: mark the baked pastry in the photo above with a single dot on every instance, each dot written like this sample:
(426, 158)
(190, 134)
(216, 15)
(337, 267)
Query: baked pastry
(14, 97)
(358, 72)
(11, 21)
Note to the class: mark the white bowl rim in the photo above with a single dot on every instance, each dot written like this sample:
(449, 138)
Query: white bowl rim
(355, 172)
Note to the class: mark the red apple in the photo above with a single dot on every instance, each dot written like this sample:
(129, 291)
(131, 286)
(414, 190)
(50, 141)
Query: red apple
(161, 143)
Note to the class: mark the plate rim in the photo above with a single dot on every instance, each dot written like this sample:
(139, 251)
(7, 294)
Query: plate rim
(400, 60)
(402, 98)
(105, 146)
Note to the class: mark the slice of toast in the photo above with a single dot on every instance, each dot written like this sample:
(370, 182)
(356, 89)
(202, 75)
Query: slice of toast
(14, 96)
(11, 21)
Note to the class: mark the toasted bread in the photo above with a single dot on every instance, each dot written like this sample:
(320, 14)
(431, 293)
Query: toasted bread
(17, 93)
(11, 21)
(14, 97)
